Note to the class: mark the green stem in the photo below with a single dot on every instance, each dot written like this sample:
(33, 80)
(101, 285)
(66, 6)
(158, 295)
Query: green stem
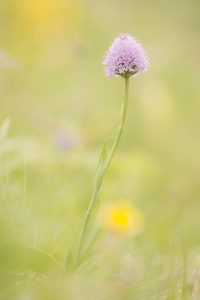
(97, 187)
(121, 126)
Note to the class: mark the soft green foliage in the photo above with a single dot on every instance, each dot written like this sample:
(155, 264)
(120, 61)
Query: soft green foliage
(61, 107)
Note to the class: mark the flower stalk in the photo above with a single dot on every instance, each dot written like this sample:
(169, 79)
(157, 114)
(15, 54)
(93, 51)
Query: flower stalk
(102, 167)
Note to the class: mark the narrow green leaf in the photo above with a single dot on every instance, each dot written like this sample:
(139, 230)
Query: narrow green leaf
(92, 236)
(101, 165)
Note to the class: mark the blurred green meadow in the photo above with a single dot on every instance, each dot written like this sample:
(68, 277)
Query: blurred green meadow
(57, 108)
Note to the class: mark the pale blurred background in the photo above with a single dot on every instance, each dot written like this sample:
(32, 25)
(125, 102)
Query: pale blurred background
(57, 107)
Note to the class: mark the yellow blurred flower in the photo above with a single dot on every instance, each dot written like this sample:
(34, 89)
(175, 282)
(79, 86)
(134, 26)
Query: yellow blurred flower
(122, 217)
(46, 16)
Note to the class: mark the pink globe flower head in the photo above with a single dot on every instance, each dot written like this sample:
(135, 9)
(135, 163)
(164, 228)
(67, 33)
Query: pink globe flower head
(125, 57)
